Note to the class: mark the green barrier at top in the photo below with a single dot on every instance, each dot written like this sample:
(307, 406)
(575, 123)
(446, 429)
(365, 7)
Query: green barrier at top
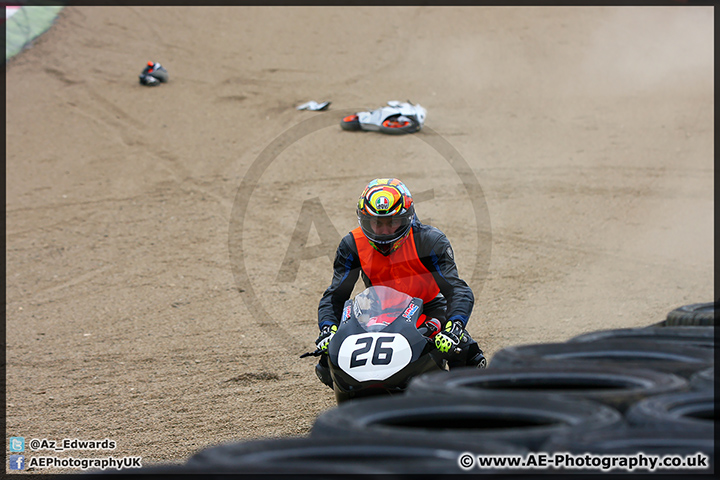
(26, 25)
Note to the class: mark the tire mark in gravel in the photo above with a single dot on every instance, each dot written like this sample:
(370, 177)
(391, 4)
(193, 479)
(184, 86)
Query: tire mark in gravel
(52, 208)
(60, 75)
(38, 296)
(158, 40)
(593, 252)
(130, 131)
(73, 204)
(198, 187)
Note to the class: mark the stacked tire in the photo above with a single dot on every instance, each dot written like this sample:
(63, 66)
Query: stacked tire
(673, 420)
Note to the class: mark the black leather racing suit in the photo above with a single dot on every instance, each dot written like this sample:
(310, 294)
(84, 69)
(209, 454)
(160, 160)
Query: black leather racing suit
(454, 302)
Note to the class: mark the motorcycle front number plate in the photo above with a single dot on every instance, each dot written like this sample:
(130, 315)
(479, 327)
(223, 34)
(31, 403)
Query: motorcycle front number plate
(374, 355)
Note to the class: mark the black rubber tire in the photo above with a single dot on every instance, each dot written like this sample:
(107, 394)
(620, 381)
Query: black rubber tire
(698, 336)
(693, 314)
(349, 454)
(703, 380)
(525, 420)
(351, 125)
(612, 385)
(631, 441)
(679, 359)
(675, 411)
(413, 127)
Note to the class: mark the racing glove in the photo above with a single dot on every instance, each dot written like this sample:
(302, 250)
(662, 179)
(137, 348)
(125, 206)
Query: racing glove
(325, 336)
(449, 339)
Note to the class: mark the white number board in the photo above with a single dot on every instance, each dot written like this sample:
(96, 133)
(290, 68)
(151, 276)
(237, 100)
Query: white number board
(374, 355)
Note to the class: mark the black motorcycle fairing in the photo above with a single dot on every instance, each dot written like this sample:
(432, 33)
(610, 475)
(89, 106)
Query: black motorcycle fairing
(371, 338)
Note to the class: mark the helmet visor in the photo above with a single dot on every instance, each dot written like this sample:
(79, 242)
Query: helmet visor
(384, 230)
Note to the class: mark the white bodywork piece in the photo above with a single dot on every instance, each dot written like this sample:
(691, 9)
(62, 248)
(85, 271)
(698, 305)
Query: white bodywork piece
(373, 120)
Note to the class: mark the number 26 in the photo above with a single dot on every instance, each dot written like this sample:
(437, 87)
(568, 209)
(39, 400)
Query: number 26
(381, 355)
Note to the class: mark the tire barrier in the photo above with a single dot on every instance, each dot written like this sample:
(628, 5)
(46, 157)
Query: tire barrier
(690, 411)
(610, 393)
(668, 357)
(612, 385)
(703, 380)
(632, 440)
(525, 420)
(348, 453)
(698, 336)
(693, 314)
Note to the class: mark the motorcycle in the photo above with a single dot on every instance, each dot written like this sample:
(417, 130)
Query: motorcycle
(382, 342)
(394, 119)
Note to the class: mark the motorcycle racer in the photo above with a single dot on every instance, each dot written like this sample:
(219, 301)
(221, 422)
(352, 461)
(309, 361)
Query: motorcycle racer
(391, 247)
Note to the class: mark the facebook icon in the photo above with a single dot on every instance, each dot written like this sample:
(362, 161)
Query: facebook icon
(17, 462)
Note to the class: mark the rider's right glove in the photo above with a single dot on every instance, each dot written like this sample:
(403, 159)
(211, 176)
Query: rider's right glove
(326, 334)
(449, 339)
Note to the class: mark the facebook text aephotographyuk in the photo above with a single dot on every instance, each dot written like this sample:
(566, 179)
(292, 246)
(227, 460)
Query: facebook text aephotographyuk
(85, 463)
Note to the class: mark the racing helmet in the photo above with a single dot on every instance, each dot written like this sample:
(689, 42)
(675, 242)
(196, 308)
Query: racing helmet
(386, 213)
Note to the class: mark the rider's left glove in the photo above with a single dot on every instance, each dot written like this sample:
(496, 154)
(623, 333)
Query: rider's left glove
(326, 335)
(449, 339)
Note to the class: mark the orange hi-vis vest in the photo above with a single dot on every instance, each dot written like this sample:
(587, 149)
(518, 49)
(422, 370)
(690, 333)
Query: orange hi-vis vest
(401, 270)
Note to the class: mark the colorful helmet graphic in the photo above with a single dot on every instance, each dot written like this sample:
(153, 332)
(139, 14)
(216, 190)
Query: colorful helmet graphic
(386, 213)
